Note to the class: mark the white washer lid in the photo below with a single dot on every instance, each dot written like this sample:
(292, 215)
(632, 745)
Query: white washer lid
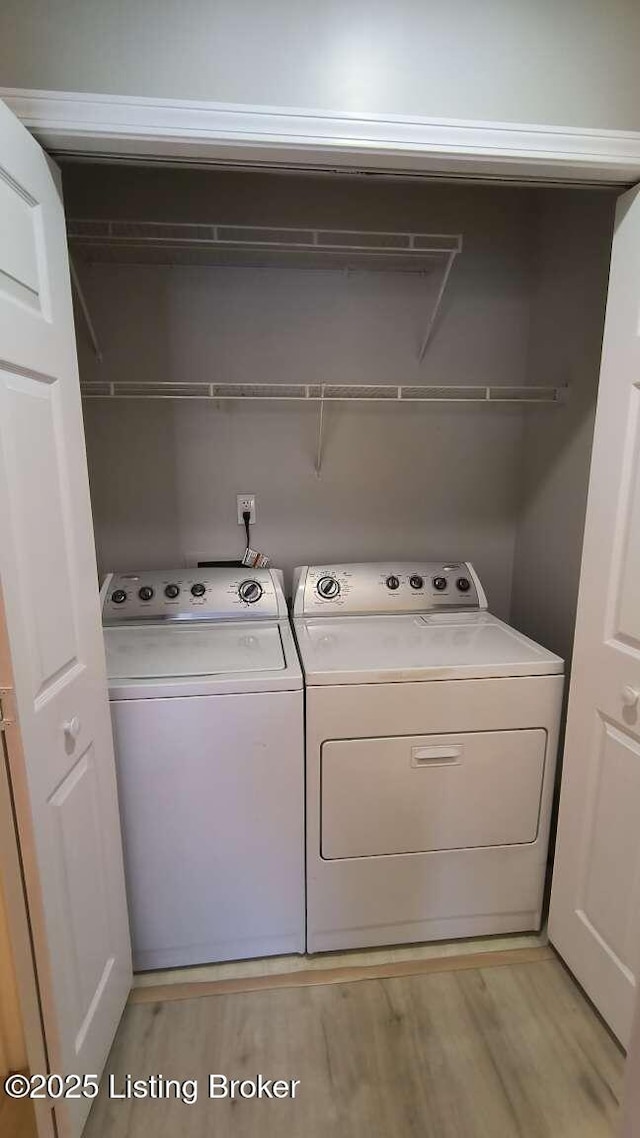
(176, 651)
(438, 646)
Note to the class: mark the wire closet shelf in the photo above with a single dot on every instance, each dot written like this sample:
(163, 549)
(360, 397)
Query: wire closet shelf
(223, 245)
(322, 394)
(326, 392)
(163, 242)
(249, 246)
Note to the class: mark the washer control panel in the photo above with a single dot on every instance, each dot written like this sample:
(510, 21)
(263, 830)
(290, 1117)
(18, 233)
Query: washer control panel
(387, 587)
(193, 594)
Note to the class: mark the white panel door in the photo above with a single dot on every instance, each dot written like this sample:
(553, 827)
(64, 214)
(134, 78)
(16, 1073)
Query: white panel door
(62, 762)
(595, 901)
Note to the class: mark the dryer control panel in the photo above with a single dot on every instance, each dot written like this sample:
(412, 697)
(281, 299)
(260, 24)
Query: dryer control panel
(193, 594)
(387, 587)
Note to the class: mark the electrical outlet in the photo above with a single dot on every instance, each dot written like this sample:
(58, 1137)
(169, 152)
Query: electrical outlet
(246, 502)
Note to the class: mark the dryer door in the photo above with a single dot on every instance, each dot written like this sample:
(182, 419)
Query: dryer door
(421, 793)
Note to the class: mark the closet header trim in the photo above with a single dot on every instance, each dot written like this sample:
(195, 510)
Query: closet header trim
(88, 124)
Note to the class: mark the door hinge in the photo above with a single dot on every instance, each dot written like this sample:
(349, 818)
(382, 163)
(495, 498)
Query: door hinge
(7, 719)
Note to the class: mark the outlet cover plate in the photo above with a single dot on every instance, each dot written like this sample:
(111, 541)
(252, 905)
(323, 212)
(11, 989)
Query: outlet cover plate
(246, 502)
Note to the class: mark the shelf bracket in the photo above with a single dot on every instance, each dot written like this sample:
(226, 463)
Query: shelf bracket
(318, 463)
(438, 302)
(82, 301)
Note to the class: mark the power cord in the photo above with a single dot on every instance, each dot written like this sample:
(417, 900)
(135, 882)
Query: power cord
(246, 517)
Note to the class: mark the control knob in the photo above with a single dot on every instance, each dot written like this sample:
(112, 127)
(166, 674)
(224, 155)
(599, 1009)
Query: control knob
(198, 590)
(172, 591)
(145, 593)
(328, 587)
(463, 584)
(118, 596)
(392, 582)
(250, 592)
(440, 583)
(416, 581)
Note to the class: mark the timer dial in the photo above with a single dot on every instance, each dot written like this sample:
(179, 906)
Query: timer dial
(250, 592)
(328, 588)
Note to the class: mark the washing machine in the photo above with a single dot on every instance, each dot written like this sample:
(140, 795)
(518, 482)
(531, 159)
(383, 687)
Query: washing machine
(431, 740)
(207, 708)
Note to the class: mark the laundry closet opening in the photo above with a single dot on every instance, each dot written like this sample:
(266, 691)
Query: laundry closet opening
(500, 483)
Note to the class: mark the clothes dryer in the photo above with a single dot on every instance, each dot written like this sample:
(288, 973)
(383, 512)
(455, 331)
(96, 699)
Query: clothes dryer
(431, 740)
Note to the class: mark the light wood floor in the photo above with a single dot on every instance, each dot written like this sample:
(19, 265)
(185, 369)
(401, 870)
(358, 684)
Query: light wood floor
(493, 1052)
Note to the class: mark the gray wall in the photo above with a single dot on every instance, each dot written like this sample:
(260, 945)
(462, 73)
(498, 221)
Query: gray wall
(409, 481)
(164, 481)
(563, 62)
(567, 314)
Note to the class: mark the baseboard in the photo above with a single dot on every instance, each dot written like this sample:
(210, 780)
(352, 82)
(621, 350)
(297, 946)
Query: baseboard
(349, 974)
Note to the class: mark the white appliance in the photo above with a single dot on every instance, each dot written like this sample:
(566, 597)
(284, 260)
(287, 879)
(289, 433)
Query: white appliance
(207, 708)
(431, 739)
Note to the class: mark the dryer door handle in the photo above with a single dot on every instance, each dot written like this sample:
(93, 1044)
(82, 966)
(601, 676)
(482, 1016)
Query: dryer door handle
(436, 755)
